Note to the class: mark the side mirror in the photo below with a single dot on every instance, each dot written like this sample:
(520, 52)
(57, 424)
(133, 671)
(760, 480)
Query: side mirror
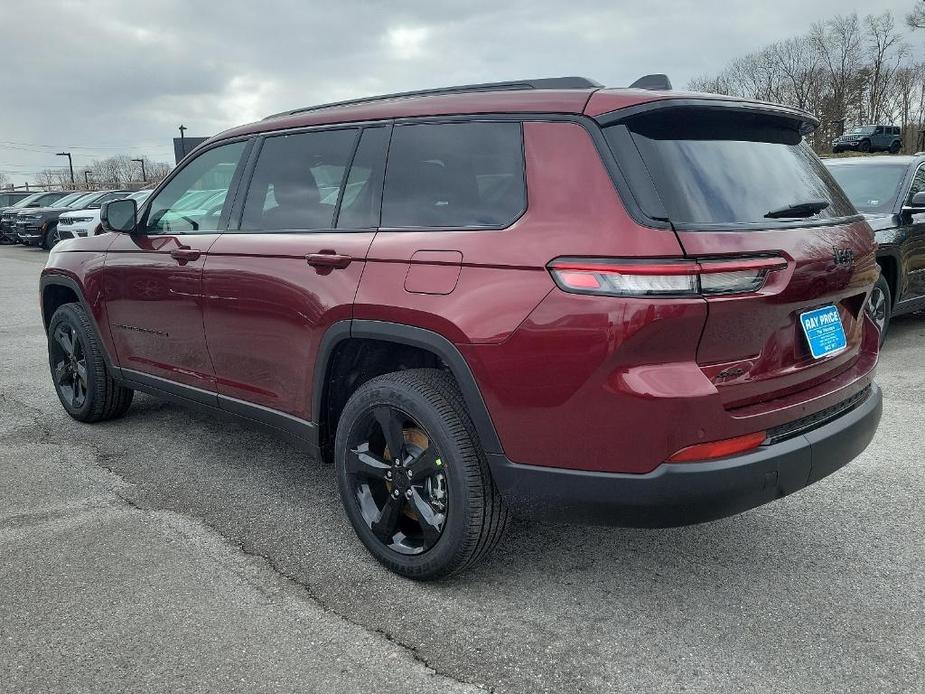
(916, 204)
(119, 215)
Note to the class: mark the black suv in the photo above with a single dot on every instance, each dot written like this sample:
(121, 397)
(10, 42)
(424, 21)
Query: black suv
(890, 192)
(870, 138)
(40, 227)
(8, 214)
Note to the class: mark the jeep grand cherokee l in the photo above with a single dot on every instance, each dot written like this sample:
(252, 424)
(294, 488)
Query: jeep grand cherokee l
(545, 298)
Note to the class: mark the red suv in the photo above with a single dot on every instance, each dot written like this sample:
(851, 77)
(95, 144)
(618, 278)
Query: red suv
(629, 306)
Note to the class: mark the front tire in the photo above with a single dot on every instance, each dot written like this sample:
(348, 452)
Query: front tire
(879, 306)
(84, 385)
(864, 146)
(51, 239)
(432, 509)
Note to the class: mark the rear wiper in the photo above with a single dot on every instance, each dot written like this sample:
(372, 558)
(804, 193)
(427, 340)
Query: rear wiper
(799, 209)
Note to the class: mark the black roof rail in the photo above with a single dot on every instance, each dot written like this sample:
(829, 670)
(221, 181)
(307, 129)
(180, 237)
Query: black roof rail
(541, 83)
(656, 82)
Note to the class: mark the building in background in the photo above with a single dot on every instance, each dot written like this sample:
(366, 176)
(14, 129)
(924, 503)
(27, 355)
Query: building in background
(185, 145)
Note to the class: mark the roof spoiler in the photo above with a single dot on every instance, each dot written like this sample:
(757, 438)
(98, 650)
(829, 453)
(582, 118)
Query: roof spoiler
(541, 83)
(656, 82)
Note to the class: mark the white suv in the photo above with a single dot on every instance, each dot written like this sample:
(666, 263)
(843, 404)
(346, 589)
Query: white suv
(86, 222)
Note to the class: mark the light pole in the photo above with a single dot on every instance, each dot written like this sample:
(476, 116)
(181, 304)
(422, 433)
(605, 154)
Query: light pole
(70, 163)
(87, 179)
(144, 177)
(182, 141)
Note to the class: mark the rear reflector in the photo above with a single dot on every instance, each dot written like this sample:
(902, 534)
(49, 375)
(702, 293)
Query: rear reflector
(663, 277)
(719, 449)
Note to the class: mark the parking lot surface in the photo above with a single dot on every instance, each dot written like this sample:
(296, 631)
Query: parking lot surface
(172, 550)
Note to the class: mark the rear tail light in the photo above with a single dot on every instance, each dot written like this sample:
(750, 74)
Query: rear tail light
(719, 449)
(663, 277)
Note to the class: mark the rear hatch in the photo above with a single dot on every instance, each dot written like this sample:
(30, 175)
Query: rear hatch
(741, 183)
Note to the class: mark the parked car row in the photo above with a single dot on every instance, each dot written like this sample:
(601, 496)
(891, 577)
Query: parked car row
(45, 219)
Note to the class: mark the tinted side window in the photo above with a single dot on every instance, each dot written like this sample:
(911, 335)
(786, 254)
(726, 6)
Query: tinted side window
(454, 175)
(360, 206)
(193, 199)
(298, 180)
(918, 182)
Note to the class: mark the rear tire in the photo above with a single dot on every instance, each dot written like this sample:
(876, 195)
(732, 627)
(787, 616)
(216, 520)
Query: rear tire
(467, 517)
(82, 381)
(895, 147)
(880, 305)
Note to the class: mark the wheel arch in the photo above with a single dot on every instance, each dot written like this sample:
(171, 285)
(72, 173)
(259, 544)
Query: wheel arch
(889, 268)
(56, 290)
(420, 339)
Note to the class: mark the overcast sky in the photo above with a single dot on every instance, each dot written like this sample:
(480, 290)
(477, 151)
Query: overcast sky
(105, 77)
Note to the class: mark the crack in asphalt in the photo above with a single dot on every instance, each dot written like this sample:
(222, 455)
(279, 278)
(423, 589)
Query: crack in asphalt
(100, 457)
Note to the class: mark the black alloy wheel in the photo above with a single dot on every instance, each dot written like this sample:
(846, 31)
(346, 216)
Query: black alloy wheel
(82, 380)
(69, 365)
(52, 238)
(413, 477)
(879, 306)
(397, 480)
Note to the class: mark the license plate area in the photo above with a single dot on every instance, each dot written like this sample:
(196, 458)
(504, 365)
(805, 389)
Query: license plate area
(824, 331)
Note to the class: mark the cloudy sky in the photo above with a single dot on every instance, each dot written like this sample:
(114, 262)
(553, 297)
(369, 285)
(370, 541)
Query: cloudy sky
(102, 77)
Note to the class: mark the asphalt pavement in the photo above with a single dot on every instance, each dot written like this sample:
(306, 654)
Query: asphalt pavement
(175, 551)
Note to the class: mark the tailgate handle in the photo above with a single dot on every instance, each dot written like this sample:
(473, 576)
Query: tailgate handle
(328, 259)
(185, 253)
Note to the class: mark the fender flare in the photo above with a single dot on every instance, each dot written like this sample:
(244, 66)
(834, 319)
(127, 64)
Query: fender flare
(56, 279)
(413, 336)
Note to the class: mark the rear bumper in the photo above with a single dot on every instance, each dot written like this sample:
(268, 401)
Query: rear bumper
(685, 493)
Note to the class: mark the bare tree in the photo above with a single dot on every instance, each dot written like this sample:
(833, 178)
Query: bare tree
(840, 48)
(916, 18)
(886, 51)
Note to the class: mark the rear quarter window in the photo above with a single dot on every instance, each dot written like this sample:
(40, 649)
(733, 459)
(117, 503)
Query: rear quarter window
(714, 169)
(454, 175)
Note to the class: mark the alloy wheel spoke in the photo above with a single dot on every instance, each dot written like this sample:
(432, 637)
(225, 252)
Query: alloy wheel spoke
(82, 373)
(360, 461)
(61, 372)
(391, 425)
(65, 340)
(425, 464)
(384, 526)
(431, 522)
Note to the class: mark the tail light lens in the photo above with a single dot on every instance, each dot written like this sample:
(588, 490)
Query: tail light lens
(719, 449)
(663, 277)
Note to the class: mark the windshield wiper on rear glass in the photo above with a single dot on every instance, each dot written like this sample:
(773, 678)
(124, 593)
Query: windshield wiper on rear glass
(799, 209)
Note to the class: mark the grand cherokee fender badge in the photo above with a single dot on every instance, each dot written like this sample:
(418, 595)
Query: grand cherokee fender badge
(136, 329)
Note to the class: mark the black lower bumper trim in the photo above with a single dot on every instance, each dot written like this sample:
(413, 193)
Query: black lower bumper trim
(685, 493)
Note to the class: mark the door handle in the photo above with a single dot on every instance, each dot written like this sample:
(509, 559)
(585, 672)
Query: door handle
(185, 254)
(328, 259)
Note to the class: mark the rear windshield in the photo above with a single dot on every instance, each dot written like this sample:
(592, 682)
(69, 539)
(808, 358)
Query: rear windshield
(872, 188)
(715, 168)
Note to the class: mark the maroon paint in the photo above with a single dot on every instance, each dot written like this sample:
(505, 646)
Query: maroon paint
(597, 383)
